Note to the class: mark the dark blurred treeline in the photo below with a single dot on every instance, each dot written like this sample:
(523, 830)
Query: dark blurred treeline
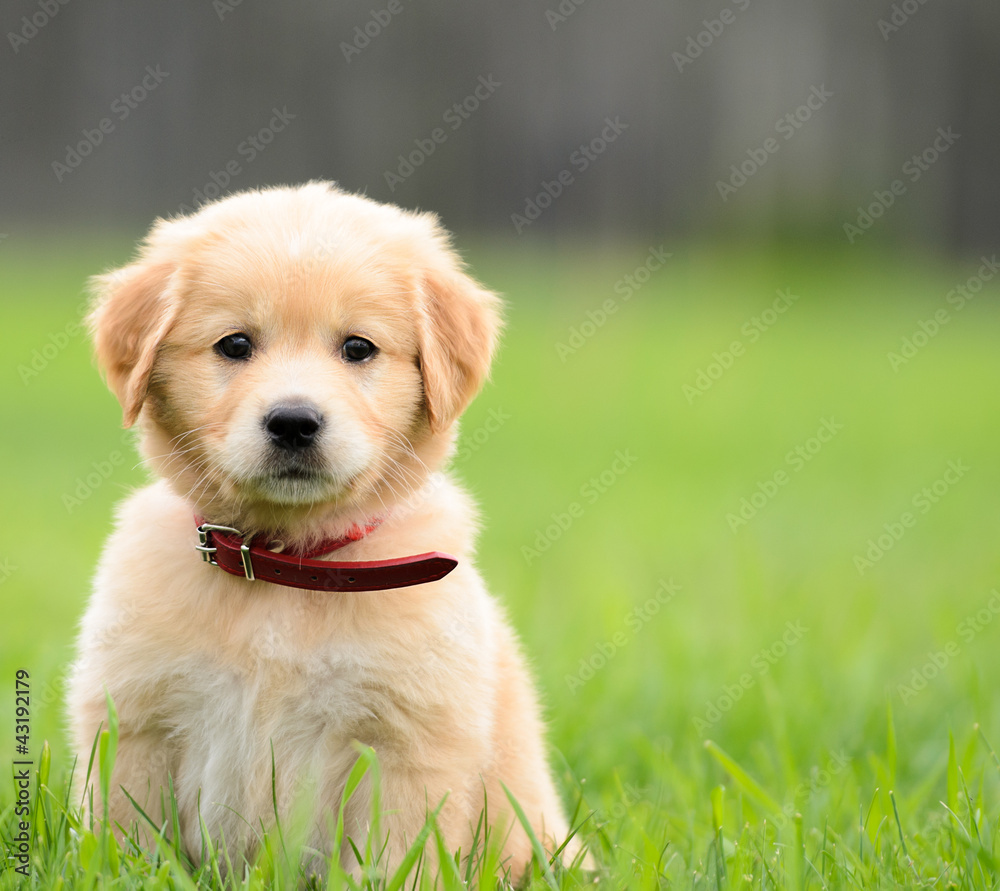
(610, 117)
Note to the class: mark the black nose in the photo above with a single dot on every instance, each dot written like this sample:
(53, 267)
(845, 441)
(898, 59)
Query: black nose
(293, 426)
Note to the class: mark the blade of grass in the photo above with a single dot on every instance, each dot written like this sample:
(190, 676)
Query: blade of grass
(414, 851)
(536, 845)
(742, 778)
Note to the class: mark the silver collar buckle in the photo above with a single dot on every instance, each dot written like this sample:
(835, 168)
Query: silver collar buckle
(207, 550)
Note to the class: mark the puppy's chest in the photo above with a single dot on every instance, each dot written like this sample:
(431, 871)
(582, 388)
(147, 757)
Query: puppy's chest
(287, 672)
(261, 665)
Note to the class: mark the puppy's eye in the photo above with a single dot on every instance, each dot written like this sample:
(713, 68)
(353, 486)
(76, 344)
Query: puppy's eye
(235, 346)
(357, 349)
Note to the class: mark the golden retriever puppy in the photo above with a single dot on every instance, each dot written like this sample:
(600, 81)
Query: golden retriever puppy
(301, 577)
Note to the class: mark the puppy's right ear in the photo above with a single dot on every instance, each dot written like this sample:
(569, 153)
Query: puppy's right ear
(131, 314)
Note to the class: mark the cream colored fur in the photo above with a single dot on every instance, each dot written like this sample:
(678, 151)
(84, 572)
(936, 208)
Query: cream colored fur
(209, 673)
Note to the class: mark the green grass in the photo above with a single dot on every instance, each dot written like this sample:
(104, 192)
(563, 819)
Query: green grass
(715, 744)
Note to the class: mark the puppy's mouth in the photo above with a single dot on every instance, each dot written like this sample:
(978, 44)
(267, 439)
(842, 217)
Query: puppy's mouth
(293, 486)
(297, 473)
(290, 479)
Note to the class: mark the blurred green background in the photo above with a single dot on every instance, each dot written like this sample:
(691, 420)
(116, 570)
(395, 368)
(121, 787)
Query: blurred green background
(551, 421)
(680, 484)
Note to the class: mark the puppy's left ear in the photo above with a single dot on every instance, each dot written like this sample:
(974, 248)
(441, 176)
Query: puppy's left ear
(131, 315)
(459, 331)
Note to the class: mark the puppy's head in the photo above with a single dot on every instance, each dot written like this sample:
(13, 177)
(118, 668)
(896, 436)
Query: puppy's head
(294, 352)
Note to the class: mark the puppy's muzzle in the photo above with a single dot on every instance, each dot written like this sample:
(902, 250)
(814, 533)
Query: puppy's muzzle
(293, 428)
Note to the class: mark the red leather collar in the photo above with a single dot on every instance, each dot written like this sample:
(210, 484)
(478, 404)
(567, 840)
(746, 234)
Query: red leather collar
(226, 548)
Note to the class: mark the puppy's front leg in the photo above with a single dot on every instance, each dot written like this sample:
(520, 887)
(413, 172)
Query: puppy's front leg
(142, 768)
(408, 796)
